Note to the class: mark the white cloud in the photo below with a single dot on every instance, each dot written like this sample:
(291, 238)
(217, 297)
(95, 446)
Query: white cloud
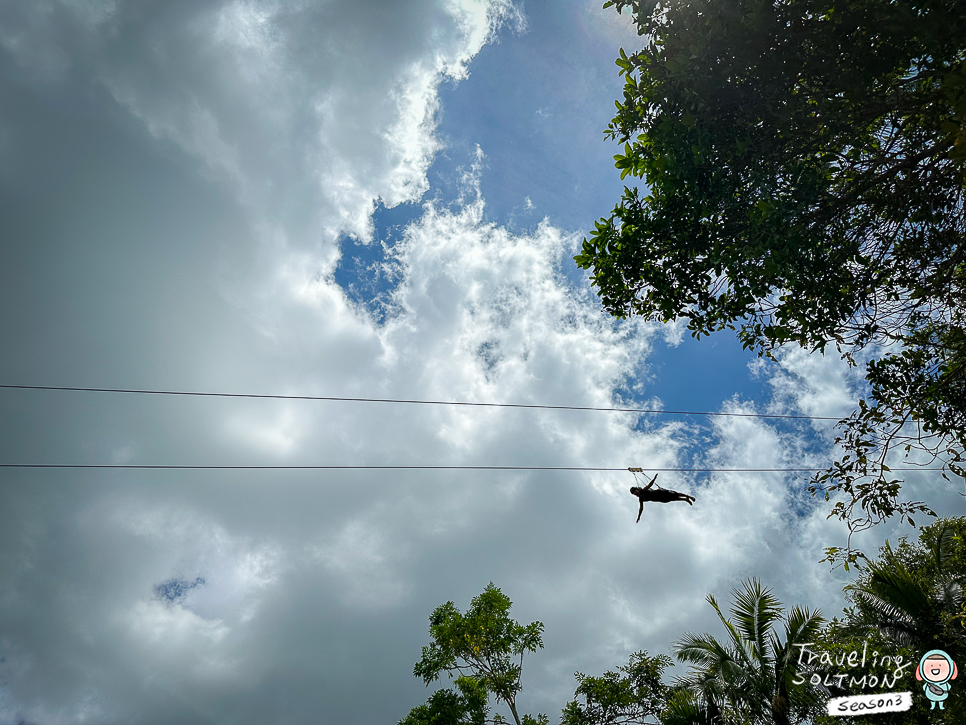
(367, 567)
(278, 437)
(815, 384)
(295, 99)
(320, 105)
(619, 29)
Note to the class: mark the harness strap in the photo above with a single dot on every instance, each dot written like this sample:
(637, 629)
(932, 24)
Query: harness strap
(654, 483)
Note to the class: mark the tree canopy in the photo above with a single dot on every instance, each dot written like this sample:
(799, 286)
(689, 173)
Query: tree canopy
(772, 667)
(631, 694)
(806, 167)
(485, 649)
(909, 601)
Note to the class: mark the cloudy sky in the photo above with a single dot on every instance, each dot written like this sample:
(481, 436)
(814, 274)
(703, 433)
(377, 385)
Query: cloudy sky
(357, 199)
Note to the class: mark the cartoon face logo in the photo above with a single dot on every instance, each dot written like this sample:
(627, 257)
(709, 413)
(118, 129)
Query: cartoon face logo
(935, 670)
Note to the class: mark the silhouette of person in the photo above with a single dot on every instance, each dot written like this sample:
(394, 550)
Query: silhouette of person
(658, 495)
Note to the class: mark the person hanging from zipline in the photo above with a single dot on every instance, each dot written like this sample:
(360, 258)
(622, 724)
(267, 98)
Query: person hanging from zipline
(657, 495)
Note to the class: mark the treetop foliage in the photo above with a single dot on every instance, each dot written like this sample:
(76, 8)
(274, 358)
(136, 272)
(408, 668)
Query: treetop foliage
(909, 601)
(806, 168)
(485, 649)
(631, 694)
(751, 675)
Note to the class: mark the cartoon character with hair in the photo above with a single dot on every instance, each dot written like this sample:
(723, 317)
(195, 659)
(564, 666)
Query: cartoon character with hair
(935, 670)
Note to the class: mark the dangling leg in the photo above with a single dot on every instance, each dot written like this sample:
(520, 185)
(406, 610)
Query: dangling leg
(683, 497)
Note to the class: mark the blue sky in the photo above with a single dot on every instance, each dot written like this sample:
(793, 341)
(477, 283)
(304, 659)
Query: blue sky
(196, 196)
(536, 103)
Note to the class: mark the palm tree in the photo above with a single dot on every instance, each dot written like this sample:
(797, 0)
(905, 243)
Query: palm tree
(749, 678)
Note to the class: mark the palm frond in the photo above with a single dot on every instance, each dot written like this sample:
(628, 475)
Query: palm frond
(751, 678)
(900, 588)
(902, 608)
(945, 542)
(755, 610)
(703, 650)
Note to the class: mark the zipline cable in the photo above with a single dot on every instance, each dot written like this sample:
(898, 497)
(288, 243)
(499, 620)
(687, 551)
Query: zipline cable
(410, 402)
(142, 466)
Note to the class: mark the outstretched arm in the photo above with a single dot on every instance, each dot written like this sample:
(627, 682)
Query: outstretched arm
(652, 481)
(639, 512)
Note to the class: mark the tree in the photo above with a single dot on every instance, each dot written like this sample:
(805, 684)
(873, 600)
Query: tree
(467, 706)
(628, 696)
(806, 165)
(838, 640)
(912, 597)
(485, 648)
(751, 678)
(913, 594)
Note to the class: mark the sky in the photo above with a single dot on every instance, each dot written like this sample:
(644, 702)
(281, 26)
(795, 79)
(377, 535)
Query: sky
(367, 199)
